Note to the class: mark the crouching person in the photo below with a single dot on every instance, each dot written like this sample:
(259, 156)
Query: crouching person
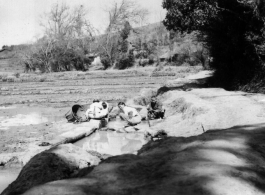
(129, 114)
(77, 115)
(98, 110)
(155, 109)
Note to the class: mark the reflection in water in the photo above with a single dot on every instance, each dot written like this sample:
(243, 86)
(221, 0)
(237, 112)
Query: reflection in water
(7, 177)
(113, 143)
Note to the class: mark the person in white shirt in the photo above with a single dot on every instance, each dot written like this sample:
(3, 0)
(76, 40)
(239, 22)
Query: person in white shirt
(98, 110)
(129, 114)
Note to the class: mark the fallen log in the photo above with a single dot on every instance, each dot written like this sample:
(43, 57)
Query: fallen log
(73, 139)
(75, 132)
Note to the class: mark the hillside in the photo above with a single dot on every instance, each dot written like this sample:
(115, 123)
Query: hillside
(10, 59)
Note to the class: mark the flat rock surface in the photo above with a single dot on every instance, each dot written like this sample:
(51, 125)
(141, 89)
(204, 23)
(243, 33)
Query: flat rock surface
(225, 162)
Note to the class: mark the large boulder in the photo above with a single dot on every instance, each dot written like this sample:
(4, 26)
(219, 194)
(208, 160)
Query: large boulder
(42, 168)
(229, 162)
(54, 164)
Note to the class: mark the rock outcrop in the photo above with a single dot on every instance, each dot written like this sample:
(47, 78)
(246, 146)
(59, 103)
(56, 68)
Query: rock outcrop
(229, 162)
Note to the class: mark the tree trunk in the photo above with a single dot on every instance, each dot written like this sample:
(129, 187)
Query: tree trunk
(73, 139)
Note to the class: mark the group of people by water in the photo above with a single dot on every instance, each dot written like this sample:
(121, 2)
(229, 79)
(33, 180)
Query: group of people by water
(100, 110)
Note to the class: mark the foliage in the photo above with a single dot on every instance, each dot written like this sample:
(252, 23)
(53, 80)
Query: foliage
(105, 60)
(114, 44)
(127, 10)
(126, 60)
(66, 42)
(126, 57)
(231, 29)
(108, 49)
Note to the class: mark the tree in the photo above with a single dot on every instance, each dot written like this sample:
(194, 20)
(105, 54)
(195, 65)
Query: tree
(119, 15)
(125, 56)
(127, 10)
(231, 29)
(67, 39)
(63, 23)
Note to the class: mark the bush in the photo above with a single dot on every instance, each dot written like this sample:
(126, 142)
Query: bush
(143, 62)
(106, 62)
(151, 58)
(125, 60)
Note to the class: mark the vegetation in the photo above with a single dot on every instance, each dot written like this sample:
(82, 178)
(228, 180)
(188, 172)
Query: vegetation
(71, 43)
(113, 45)
(66, 42)
(233, 32)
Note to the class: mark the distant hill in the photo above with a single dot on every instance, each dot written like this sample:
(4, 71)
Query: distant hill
(9, 59)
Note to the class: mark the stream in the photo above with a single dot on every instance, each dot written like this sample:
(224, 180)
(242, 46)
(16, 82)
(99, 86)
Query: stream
(103, 142)
(7, 176)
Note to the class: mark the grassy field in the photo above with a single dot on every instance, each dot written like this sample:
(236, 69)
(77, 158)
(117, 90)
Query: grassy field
(65, 88)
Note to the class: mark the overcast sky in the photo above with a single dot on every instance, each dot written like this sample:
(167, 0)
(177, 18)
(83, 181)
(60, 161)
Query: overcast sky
(19, 19)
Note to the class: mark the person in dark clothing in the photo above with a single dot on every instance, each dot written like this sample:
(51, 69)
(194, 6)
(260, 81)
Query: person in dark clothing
(155, 109)
(79, 113)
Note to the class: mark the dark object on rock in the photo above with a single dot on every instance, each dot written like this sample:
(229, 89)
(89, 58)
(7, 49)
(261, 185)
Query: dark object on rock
(44, 144)
(160, 135)
(42, 168)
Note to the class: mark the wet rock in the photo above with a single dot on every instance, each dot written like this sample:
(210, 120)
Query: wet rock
(75, 156)
(219, 159)
(42, 168)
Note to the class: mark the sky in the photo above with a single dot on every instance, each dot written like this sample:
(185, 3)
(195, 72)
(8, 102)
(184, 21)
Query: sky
(20, 19)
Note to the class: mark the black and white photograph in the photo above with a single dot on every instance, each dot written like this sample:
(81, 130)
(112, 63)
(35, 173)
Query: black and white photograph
(132, 97)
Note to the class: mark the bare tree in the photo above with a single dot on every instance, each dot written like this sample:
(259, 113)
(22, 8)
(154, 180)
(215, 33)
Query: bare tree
(68, 35)
(64, 23)
(126, 11)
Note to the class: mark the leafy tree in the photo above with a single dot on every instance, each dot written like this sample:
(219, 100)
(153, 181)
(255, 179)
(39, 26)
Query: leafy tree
(126, 57)
(231, 29)
(120, 15)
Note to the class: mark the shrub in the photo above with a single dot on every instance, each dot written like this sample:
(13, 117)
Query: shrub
(125, 60)
(151, 58)
(106, 62)
(143, 62)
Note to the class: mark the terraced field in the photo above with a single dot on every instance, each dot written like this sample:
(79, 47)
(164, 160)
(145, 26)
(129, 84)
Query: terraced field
(64, 89)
